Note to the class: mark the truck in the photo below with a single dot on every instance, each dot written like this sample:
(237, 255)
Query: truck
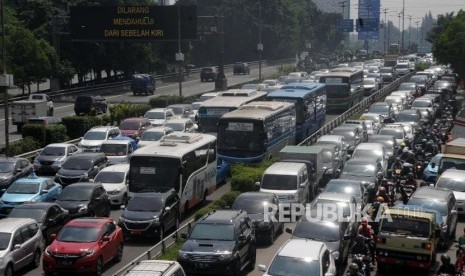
(44, 98)
(143, 84)
(453, 157)
(390, 60)
(456, 146)
(22, 110)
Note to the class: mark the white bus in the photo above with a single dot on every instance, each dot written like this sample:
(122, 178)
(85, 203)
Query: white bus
(185, 162)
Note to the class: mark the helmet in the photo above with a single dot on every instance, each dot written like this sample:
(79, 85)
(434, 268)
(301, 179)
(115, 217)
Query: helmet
(384, 181)
(402, 144)
(359, 239)
(353, 267)
(397, 158)
(410, 175)
(445, 259)
(405, 150)
(380, 199)
(364, 221)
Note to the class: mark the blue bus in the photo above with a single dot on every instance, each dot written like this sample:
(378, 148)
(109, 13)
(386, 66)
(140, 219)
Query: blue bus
(310, 103)
(256, 131)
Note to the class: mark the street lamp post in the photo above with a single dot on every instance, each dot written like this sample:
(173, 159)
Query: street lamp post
(179, 55)
(221, 83)
(260, 45)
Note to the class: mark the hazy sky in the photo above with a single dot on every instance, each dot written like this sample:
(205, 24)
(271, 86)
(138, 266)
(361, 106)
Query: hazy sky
(416, 8)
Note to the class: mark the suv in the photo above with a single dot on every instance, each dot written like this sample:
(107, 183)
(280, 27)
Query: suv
(150, 214)
(85, 199)
(241, 68)
(93, 139)
(208, 73)
(12, 168)
(25, 246)
(134, 127)
(221, 241)
(84, 105)
(156, 267)
(81, 167)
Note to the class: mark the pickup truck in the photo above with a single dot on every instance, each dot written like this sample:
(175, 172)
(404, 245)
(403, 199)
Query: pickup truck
(44, 98)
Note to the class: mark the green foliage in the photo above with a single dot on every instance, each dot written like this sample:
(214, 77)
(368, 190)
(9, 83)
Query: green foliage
(77, 126)
(172, 253)
(36, 131)
(285, 69)
(226, 200)
(164, 101)
(24, 145)
(243, 177)
(123, 111)
(56, 134)
(422, 66)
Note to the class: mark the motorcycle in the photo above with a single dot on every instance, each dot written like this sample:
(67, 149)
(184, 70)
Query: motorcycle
(363, 263)
(390, 190)
(407, 190)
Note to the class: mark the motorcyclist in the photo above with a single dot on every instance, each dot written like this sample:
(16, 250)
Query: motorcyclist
(354, 270)
(446, 267)
(375, 208)
(401, 149)
(410, 181)
(360, 248)
(366, 231)
(382, 193)
(409, 157)
(396, 165)
(431, 148)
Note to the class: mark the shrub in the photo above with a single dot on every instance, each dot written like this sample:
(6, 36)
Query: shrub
(36, 131)
(164, 101)
(77, 126)
(244, 177)
(225, 200)
(55, 134)
(24, 145)
(123, 111)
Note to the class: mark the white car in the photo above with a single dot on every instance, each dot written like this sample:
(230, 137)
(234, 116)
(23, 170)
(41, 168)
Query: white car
(181, 125)
(113, 178)
(159, 116)
(372, 150)
(301, 257)
(93, 139)
(454, 180)
(152, 135)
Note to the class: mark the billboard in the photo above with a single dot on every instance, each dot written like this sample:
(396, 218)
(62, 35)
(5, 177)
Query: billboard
(368, 19)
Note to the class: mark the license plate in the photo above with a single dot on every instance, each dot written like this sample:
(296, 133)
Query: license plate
(65, 263)
(136, 232)
(202, 265)
(397, 171)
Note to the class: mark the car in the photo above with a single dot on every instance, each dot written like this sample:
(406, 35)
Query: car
(182, 125)
(362, 126)
(293, 77)
(254, 203)
(93, 138)
(402, 68)
(52, 157)
(411, 117)
(114, 180)
(134, 127)
(220, 242)
(156, 267)
(159, 116)
(382, 108)
(181, 110)
(344, 204)
(454, 180)
(425, 103)
(388, 74)
(194, 111)
(410, 86)
(430, 172)
(352, 187)
(397, 102)
(119, 149)
(241, 68)
(21, 244)
(208, 96)
(367, 170)
(152, 135)
(84, 245)
(407, 94)
(13, 168)
(85, 199)
(397, 131)
(336, 236)
(86, 105)
(301, 257)
(378, 120)
(372, 150)
(370, 86)
(44, 120)
(28, 189)
(208, 73)
(50, 216)
(81, 167)
(422, 82)
(150, 214)
(443, 201)
(338, 142)
(352, 135)
(390, 145)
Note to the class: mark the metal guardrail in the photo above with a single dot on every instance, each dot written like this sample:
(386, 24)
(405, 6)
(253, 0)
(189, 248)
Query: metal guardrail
(158, 249)
(356, 109)
(34, 153)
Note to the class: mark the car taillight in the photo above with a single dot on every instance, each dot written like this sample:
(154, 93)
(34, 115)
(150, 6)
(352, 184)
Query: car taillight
(380, 240)
(426, 245)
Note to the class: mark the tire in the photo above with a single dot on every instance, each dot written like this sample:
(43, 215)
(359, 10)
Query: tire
(252, 257)
(124, 201)
(108, 211)
(161, 234)
(119, 253)
(9, 270)
(36, 260)
(270, 239)
(99, 266)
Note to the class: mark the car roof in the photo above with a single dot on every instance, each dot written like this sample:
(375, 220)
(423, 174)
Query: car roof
(453, 173)
(285, 168)
(58, 145)
(89, 221)
(86, 155)
(256, 196)
(135, 119)
(344, 181)
(362, 160)
(302, 249)
(335, 138)
(82, 185)
(161, 109)
(335, 196)
(113, 141)
(369, 145)
(222, 216)
(116, 168)
(151, 195)
(37, 205)
(380, 103)
(178, 120)
(158, 129)
(9, 225)
(103, 128)
(32, 178)
(431, 192)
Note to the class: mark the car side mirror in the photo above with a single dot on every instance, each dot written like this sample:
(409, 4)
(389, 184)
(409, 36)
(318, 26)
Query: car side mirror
(18, 170)
(302, 186)
(106, 239)
(167, 209)
(241, 238)
(289, 230)
(262, 268)
(53, 236)
(17, 246)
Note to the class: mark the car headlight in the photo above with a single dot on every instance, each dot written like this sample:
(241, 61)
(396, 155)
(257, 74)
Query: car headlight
(225, 255)
(86, 253)
(115, 192)
(48, 251)
(30, 201)
(82, 209)
(58, 162)
(156, 219)
(182, 254)
(335, 255)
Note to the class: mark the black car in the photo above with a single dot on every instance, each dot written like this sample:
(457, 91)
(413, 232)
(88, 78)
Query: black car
(208, 73)
(241, 68)
(85, 199)
(221, 242)
(336, 235)
(12, 168)
(352, 187)
(85, 105)
(81, 167)
(254, 203)
(150, 214)
(367, 170)
(50, 216)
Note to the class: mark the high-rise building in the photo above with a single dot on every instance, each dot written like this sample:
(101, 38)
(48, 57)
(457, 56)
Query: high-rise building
(334, 6)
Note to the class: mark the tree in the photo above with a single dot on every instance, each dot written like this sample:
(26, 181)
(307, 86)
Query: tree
(439, 27)
(449, 47)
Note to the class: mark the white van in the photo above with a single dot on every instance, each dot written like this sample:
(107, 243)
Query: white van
(288, 180)
(117, 151)
(156, 267)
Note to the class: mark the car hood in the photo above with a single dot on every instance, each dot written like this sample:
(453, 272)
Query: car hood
(208, 246)
(91, 143)
(459, 195)
(72, 248)
(113, 186)
(72, 205)
(157, 122)
(65, 172)
(17, 198)
(5, 177)
(369, 179)
(139, 215)
(49, 158)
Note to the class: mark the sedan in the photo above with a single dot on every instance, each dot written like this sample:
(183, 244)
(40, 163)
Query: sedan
(85, 199)
(29, 189)
(84, 245)
(181, 125)
(52, 157)
(152, 135)
(12, 168)
(351, 187)
(370, 86)
(134, 127)
(382, 108)
(159, 116)
(352, 136)
(181, 110)
(367, 170)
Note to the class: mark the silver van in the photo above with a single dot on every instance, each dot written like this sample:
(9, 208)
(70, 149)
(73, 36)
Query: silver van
(117, 151)
(21, 244)
(156, 267)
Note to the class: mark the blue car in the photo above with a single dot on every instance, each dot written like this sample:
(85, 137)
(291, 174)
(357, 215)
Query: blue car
(430, 172)
(28, 189)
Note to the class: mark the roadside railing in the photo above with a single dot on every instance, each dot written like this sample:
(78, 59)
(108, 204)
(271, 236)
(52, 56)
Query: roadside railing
(158, 249)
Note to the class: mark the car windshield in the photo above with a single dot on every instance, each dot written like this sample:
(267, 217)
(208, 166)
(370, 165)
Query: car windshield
(4, 240)
(385, 70)
(405, 86)
(363, 153)
(212, 231)
(279, 182)
(287, 266)
(457, 185)
(114, 149)
(145, 204)
(352, 189)
(392, 132)
(37, 214)
(23, 188)
(357, 169)
(178, 110)
(151, 136)
(95, 135)
(53, 151)
(407, 117)
(251, 206)
(429, 203)
(175, 126)
(349, 135)
(369, 81)
(155, 115)
(379, 108)
(7, 167)
(320, 231)
(80, 234)
(406, 226)
(75, 194)
(77, 164)
(128, 125)
(422, 104)
(110, 177)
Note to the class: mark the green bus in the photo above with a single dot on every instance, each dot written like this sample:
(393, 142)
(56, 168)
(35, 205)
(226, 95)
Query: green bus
(343, 88)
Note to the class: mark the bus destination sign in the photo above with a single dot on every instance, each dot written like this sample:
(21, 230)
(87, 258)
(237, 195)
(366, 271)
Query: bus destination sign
(134, 23)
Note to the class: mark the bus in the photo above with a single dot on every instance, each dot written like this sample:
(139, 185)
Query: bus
(394, 49)
(211, 110)
(185, 162)
(256, 131)
(343, 89)
(310, 106)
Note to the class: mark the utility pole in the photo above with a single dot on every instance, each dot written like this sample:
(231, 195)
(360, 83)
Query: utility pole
(409, 29)
(179, 55)
(259, 45)
(400, 14)
(386, 25)
(403, 19)
(418, 38)
(221, 83)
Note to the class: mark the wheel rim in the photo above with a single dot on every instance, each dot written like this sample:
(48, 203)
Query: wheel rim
(37, 259)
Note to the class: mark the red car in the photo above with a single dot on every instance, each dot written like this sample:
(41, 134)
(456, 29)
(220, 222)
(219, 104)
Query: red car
(134, 127)
(84, 245)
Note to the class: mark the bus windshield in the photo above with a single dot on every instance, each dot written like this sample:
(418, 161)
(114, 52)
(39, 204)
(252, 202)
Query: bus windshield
(338, 91)
(153, 173)
(245, 136)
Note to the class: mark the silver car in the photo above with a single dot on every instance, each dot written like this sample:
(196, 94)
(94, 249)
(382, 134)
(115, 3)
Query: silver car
(21, 244)
(53, 156)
